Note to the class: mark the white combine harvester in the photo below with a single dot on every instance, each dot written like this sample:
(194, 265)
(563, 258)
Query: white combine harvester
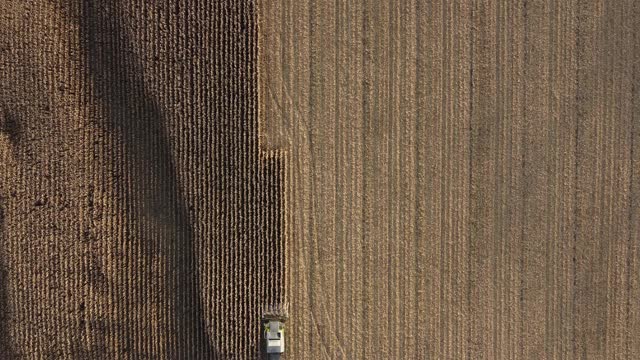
(273, 323)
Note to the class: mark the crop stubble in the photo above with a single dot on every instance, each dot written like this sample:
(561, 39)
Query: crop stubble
(463, 176)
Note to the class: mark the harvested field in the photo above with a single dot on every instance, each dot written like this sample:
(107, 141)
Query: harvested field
(419, 179)
(463, 176)
(139, 217)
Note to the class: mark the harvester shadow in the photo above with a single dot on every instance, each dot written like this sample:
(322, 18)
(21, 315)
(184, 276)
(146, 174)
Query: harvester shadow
(134, 116)
(5, 339)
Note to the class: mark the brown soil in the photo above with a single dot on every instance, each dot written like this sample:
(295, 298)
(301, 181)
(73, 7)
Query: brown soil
(464, 176)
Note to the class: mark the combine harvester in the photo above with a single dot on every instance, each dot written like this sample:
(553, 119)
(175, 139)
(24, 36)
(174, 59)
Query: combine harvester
(273, 320)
